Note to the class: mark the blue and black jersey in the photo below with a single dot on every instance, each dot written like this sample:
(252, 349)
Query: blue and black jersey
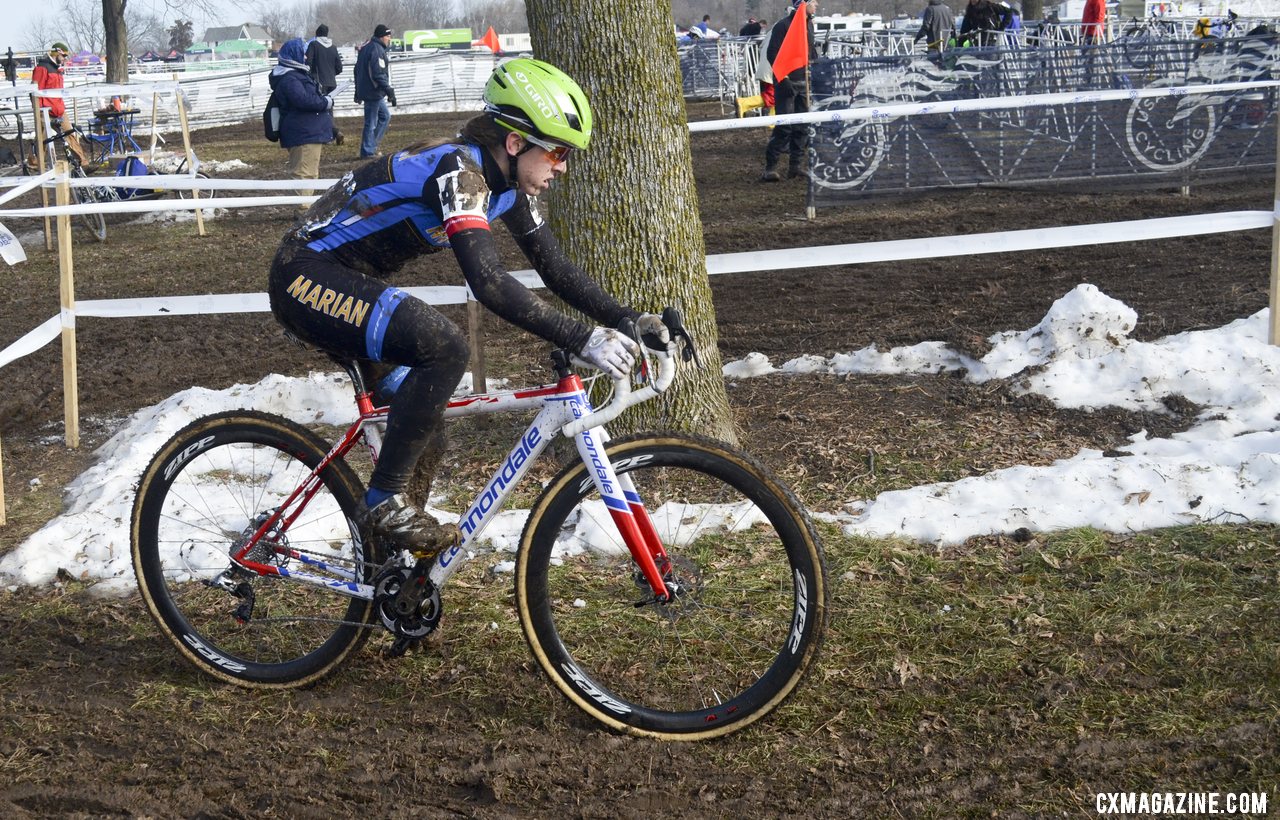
(420, 201)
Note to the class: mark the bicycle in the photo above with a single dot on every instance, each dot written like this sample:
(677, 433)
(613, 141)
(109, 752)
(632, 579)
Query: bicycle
(1141, 39)
(84, 194)
(668, 585)
(80, 151)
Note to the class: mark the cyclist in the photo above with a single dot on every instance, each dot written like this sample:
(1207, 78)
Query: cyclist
(327, 283)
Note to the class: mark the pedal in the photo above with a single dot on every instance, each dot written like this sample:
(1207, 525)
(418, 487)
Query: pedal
(401, 646)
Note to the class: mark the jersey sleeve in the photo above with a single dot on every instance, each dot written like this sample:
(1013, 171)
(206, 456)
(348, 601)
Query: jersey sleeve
(561, 275)
(463, 199)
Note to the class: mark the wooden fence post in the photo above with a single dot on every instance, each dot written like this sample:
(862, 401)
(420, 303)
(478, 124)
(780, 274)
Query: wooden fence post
(67, 295)
(2, 489)
(1274, 295)
(38, 120)
(191, 157)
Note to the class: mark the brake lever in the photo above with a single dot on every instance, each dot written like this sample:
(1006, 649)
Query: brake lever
(674, 321)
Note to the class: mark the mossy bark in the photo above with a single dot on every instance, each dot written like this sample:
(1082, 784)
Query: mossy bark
(627, 211)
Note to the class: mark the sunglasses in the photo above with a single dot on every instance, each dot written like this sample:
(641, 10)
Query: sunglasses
(556, 154)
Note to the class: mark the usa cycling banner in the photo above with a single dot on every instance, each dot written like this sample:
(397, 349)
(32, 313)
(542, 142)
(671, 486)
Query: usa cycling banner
(1130, 139)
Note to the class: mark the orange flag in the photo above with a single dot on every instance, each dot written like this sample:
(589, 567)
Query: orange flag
(794, 51)
(490, 39)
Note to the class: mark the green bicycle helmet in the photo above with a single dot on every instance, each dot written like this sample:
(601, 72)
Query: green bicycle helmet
(538, 100)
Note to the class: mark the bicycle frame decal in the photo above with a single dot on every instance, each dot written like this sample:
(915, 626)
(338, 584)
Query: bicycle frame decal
(624, 505)
(554, 414)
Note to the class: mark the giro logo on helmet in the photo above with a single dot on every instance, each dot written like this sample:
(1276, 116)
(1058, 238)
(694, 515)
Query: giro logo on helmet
(536, 98)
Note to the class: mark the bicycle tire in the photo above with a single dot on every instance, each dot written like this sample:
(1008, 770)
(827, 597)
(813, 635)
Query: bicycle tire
(184, 193)
(719, 658)
(96, 223)
(199, 495)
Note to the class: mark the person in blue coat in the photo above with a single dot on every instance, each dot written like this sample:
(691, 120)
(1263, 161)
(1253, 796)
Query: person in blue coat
(373, 88)
(306, 113)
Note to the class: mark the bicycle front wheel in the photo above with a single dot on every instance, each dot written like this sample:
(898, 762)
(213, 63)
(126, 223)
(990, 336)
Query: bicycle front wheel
(203, 495)
(734, 641)
(96, 223)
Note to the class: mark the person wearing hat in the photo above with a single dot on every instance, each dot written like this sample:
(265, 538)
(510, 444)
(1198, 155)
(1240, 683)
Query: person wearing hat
(325, 64)
(306, 113)
(751, 29)
(328, 283)
(48, 74)
(373, 88)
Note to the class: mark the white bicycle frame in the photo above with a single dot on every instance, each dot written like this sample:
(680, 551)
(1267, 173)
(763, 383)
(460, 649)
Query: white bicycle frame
(564, 409)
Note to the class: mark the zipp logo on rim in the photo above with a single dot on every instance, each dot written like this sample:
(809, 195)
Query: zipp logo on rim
(226, 663)
(185, 456)
(802, 612)
(592, 691)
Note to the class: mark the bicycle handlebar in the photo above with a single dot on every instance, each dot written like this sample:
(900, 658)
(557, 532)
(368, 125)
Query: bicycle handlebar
(680, 345)
(61, 135)
(624, 397)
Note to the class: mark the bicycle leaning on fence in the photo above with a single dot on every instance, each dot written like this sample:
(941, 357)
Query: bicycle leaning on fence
(71, 142)
(669, 585)
(78, 149)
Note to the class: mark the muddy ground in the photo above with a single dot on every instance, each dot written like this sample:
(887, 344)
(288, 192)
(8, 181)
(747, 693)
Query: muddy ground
(112, 724)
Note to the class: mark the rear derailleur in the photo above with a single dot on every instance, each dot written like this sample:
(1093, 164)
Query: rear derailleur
(408, 604)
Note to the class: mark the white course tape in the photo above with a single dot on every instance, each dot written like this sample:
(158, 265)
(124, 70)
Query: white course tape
(1026, 240)
(887, 112)
(893, 250)
(27, 185)
(160, 205)
(32, 341)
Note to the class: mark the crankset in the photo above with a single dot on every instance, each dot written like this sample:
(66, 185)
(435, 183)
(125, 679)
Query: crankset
(408, 604)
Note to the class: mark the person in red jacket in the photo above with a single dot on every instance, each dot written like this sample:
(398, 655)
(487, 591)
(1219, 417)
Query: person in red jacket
(1094, 20)
(48, 74)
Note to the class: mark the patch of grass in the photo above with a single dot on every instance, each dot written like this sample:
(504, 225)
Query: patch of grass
(1130, 660)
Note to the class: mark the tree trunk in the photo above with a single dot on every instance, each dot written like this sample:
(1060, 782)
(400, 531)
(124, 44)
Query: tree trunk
(627, 211)
(1032, 10)
(116, 39)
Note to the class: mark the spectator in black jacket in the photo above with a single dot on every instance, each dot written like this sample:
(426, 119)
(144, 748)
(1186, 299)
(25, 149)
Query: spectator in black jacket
(981, 23)
(326, 64)
(791, 96)
(373, 88)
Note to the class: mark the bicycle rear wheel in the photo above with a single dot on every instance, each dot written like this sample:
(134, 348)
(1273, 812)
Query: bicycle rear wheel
(204, 193)
(96, 223)
(736, 640)
(206, 491)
